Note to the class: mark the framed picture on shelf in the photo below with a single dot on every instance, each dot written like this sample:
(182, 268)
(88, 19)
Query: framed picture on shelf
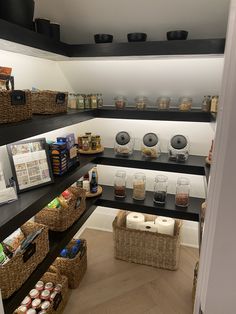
(30, 164)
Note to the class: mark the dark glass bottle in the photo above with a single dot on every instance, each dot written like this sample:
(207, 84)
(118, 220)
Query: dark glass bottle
(94, 183)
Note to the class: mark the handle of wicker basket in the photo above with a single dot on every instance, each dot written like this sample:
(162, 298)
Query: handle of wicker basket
(55, 270)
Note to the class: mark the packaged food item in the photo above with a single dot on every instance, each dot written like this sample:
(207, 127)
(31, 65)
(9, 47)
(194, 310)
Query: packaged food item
(63, 202)
(163, 103)
(53, 295)
(206, 103)
(141, 102)
(94, 183)
(14, 240)
(93, 101)
(34, 294)
(100, 100)
(3, 258)
(54, 203)
(49, 286)
(45, 305)
(214, 104)
(45, 295)
(36, 304)
(67, 195)
(39, 286)
(120, 102)
(58, 288)
(182, 192)
(26, 302)
(21, 309)
(120, 184)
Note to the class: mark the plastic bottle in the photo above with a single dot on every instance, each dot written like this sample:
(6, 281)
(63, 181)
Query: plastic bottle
(64, 253)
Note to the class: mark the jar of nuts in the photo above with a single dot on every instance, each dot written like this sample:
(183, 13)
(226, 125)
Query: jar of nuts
(182, 192)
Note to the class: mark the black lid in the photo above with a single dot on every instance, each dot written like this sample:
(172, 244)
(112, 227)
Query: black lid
(150, 139)
(178, 142)
(122, 138)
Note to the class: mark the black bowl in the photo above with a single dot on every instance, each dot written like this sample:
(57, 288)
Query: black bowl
(103, 38)
(177, 35)
(134, 37)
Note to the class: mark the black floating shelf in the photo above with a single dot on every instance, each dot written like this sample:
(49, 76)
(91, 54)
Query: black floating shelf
(147, 206)
(194, 164)
(58, 240)
(195, 115)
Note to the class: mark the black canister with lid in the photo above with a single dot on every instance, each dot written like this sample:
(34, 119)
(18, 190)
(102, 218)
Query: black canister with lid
(42, 26)
(55, 31)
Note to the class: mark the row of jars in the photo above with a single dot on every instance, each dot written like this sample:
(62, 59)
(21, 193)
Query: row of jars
(89, 141)
(160, 188)
(209, 103)
(82, 101)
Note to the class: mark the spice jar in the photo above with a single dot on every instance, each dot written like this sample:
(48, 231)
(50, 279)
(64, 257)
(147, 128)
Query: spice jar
(206, 103)
(72, 101)
(120, 102)
(87, 102)
(182, 192)
(85, 143)
(178, 148)
(93, 101)
(98, 140)
(150, 146)
(160, 189)
(89, 135)
(214, 104)
(124, 144)
(99, 100)
(80, 142)
(120, 184)
(93, 143)
(185, 103)
(163, 103)
(139, 186)
(141, 102)
(80, 101)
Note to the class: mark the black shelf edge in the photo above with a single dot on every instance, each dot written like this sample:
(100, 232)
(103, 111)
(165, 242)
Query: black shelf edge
(195, 115)
(58, 240)
(194, 164)
(39, 124)
(147, 206)
(29, 203)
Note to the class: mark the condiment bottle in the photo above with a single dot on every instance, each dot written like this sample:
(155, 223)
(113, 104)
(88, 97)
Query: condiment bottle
(120, 184)
(182, 192)
(87, 102)
(93, 183)
(139, 186)
(98, 140)
(93, 143)
(160, 189)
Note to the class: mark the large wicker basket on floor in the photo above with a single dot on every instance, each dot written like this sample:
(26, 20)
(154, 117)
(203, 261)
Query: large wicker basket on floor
(49, 102)
(75, 268)
(15, 106)
(15, 272)
(60, 219)
(144, 247)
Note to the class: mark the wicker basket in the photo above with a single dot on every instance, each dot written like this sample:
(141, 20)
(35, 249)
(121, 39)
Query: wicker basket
(60, 219)
(49, 102)
(15, 106)
(195, 281)
(14, 273)
(143, 247)
(75, 268)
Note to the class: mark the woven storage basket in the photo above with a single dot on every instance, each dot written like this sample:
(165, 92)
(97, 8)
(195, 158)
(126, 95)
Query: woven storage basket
(15, 106)
(60, 219)
(144, 247)
(75, 268)
(15, 272)
(49, 102)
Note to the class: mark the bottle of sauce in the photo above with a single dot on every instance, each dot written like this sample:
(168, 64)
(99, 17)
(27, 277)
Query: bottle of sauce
(93, 183)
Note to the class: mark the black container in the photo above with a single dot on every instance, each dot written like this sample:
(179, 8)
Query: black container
(19, 12)
(103, 38)
(42, 26)
(136, 37)
(177, 35)
(55, 31)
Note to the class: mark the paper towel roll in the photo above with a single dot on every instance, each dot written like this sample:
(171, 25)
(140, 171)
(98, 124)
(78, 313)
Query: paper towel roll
(134, 219)
(148, 226)
(165, 225)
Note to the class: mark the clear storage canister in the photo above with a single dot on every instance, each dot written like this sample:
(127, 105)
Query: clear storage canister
(150, 146)
(178, 148)
(163, 103)
(141, 102)
(206, 103)
(120, 102)
(72, 101)
(185, 103)
(120, 184)
(182, 192)
(160, 189)
(139, 186)
(124, 144)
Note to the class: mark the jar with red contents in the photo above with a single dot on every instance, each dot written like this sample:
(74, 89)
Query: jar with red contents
(182, 192)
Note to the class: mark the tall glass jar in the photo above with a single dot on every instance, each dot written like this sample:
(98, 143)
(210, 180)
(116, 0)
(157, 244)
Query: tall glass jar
(185, 103)
(120, 102)
(141, 102)
(182, 192)
(99, 100)
(139, 186)
(80, 101)
(160, 189)
(120, 184)
(163, 103)
(206, 103)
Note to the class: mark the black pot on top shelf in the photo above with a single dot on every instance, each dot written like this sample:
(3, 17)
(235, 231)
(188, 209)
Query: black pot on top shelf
(42, 26)
(19, 12)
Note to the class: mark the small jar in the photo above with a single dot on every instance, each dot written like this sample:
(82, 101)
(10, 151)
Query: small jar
(85, 143)
(182, 192)
(45, 305)
(80, 101)
(49, 286)
(150, 146)
(99, 100)
(163, 103)
(160, 189)
(89, 135)
(206, 103)
(72, 101)
(185, 103)
(53, 295)
(120, 102)
(139, 186)
(87, 103)
(141, 102)
(214, 104)
(124, 144)
(93, 101)
(120, 184)
(80, 142)
(31, 311)
(98, 140)
(93, 143)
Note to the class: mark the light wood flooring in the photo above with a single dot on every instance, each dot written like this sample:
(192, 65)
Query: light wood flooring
(111, 286)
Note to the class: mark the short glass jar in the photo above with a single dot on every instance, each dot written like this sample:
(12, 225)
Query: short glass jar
(120, 184)
(85, 143)
(185, 103)
(206, 103)
(160, 189)
(139, 186)
(182, 192)
(150, 146)
(163, 103)
(120, 102)
(141, 102)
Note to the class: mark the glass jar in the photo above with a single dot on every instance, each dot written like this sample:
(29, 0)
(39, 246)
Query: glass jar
(87, 104)
(93, 101)
(141, 102)
(139, 186)
(80, 101)
(120, 184)
(85, 143)
(178, 148)
(120, 102)
(182, 192)
(124, 144)
(99, 100)
(72, 101)
(214, 103)
(206, 103)
(98, 140)
(93, 143)
(185, 103)
(150, 146)
(160, 189)
(163, 103)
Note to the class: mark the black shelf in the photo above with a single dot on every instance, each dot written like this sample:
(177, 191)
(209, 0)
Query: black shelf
(39, 124)
(147, 206)
(58, 240)
(195, 115)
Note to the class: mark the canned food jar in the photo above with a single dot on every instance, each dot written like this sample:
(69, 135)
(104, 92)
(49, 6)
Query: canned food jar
(206, 103)
(85, 143)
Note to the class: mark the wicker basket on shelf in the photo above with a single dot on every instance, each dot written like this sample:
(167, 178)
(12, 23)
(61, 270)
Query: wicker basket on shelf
(75, 268)
(15, 106)
(18, 269)
(143, 247)
(60, 219)
(49, 102)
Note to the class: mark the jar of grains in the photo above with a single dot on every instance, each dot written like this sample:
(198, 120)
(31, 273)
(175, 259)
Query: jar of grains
(139, 186)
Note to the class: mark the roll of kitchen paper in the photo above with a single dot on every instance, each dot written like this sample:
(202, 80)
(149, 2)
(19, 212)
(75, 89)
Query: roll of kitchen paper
(134, 219)
(148, 226)
(165, 225)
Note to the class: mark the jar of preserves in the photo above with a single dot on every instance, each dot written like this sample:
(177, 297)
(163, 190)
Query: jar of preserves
(178, 148)
(182, 192)
(160, 189)
(206, 103)
(85, 143)
(139, 186)
(124, 144)
(185, 103)
(120, 102)
(150, 146)
(120, 184)
(214, 103)
(163, 103)
(141, 102)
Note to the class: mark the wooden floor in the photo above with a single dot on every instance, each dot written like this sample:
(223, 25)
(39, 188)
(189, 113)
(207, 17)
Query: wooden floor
(111, 286)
